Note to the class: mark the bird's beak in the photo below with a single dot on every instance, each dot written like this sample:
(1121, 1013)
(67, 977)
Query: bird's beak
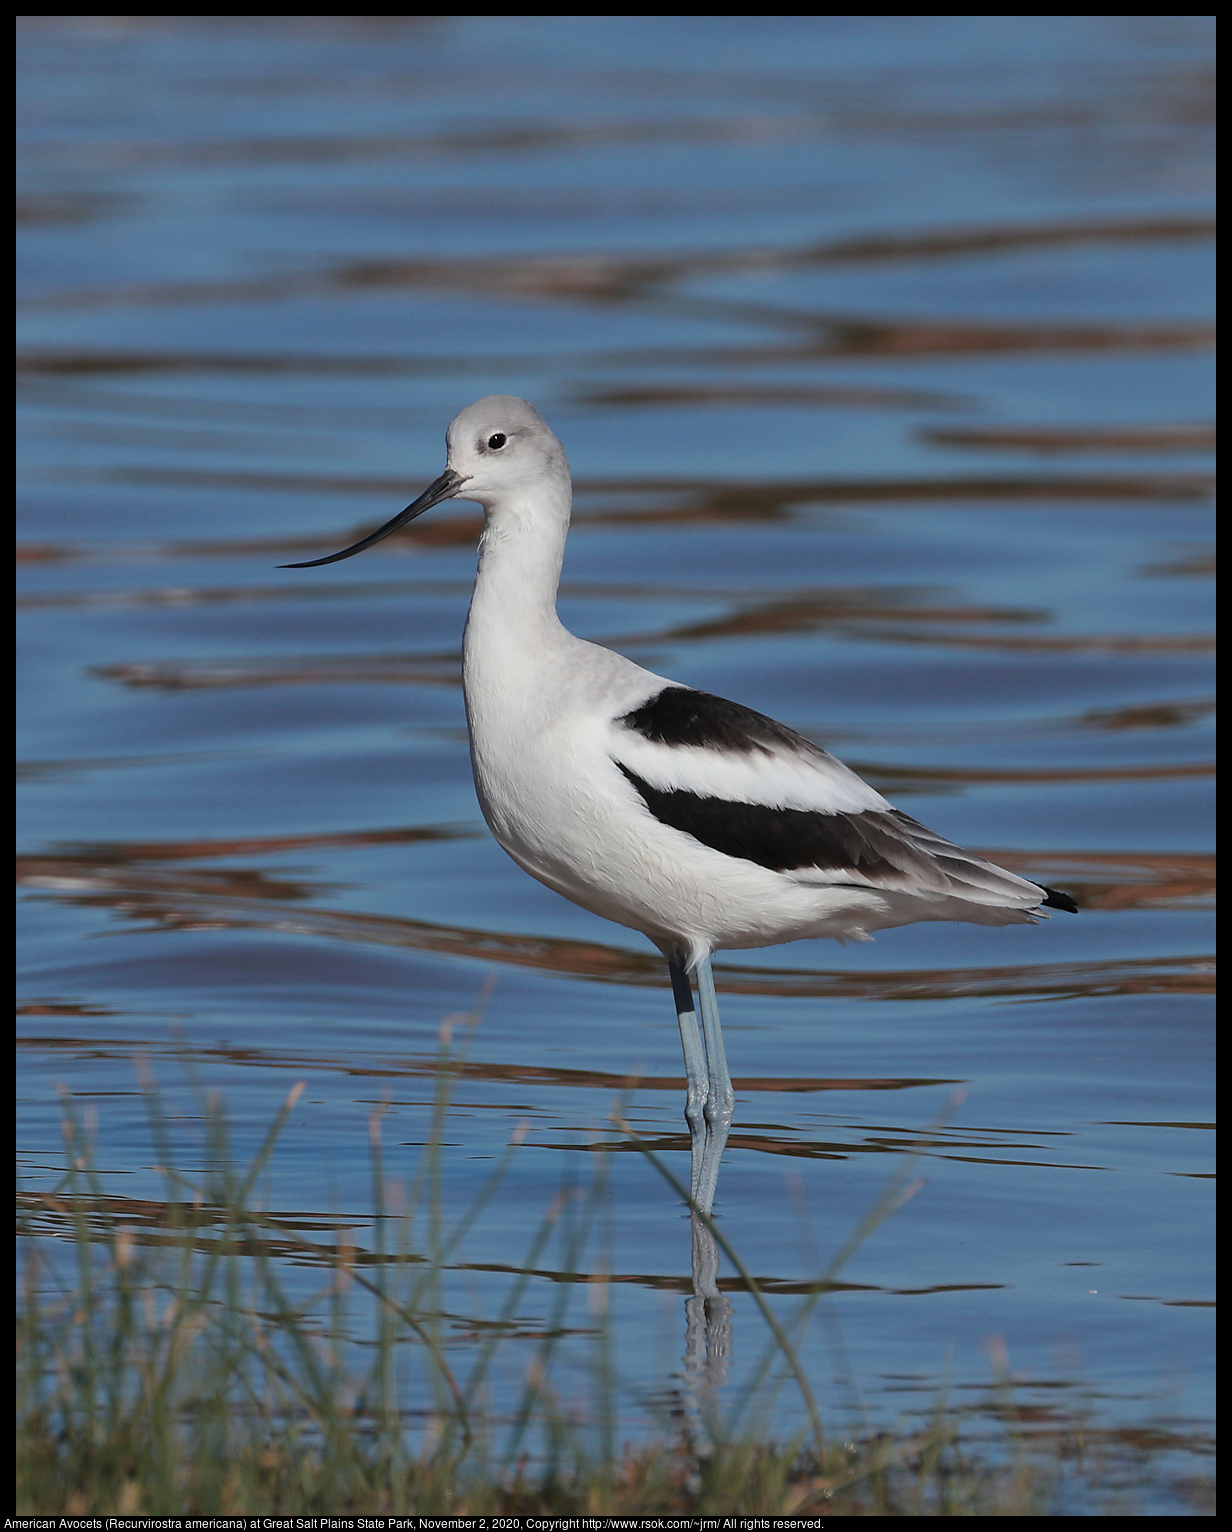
(443, 488)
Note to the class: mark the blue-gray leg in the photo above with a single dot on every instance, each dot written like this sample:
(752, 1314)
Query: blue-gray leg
(709, 1103)
(697, 1086)
(709, 1099)
(720, 1097)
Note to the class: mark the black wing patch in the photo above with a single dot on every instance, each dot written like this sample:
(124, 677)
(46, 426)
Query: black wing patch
(871, 843)
(678, 715)
(884, 845)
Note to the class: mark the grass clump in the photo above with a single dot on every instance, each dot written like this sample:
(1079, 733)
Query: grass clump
(198, 1355)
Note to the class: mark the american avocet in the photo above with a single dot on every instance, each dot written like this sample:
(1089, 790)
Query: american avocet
(697, 821)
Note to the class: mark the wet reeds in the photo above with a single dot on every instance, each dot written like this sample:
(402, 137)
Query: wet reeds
(201, 1354)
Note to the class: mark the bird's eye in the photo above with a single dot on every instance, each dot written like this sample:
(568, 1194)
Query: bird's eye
(497, 441)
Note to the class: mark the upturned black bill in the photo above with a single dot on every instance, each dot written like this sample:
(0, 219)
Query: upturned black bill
(443, 488)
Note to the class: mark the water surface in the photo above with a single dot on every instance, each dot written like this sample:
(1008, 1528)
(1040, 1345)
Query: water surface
(880, 350)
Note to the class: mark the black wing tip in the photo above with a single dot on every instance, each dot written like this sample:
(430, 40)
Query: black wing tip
(1057, 900)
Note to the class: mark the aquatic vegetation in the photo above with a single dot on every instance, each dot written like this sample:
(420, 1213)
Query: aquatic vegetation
(171, 1360)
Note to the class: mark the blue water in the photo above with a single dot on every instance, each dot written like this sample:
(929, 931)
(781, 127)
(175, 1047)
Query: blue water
(881, 352)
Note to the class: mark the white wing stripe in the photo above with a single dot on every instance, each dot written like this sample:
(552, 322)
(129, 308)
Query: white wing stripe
(815, 782)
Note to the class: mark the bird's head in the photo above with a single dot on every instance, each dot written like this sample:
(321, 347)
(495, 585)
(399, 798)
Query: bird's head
(499, 449)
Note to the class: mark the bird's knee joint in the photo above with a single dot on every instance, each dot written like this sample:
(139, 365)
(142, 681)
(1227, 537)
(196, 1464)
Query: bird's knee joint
(719, 1112)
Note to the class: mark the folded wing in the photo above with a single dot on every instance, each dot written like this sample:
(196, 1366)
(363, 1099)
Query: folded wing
(751, 788)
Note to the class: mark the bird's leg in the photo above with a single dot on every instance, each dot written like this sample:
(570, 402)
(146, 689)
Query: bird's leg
(720, 1101)
(720, 1098)
(694, 1067)
(708, 1311)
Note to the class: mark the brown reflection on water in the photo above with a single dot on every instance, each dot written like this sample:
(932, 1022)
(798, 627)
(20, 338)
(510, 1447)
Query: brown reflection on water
(1056, 643)
(818, 608)
(794, 1145)
(1178, 438)
(431, 1067)
(919, 775)
(1152, 715)
(716, 501)
(179, 596)
(57, 208)
(1132, 976)
(114, 863)
(63, 362)
(61, 1008)
(406, 670)
(42, 553)
(1121, 880)
(622, 502)
(841, 396)
(612, 278)
(904, 342)
(446, 670)
(1199, 565)
(879, 615)
(124, 853)
(156, 1224)
(239, 899)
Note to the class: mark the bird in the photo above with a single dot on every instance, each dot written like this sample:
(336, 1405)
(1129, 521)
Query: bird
(700, 822)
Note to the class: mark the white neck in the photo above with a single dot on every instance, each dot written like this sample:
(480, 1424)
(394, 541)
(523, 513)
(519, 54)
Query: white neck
(513, 609)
